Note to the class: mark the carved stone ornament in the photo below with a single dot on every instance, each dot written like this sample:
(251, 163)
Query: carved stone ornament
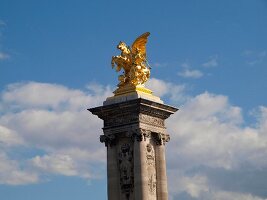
(150, 155)
(152, 183)
(125, 162)
(108, 139)
(150, 160)
(161, 138)
(141, 135)
(155, 121)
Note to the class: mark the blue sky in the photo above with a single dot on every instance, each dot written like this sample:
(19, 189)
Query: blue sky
(209, 58)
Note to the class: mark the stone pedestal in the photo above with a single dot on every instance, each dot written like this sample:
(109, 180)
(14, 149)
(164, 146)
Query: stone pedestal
(135, 137)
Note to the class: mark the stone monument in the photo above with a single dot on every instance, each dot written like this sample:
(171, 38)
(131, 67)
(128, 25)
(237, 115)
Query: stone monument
(134, 130)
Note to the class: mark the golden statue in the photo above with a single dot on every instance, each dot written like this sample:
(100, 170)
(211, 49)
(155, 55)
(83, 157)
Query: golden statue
(134, 63)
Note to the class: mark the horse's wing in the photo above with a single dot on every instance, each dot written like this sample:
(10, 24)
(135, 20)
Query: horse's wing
(140, 44)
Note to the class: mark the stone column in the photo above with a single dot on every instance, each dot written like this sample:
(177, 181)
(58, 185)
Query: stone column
(135, 135)
(112, 173)
(162, 190)
(140, 171)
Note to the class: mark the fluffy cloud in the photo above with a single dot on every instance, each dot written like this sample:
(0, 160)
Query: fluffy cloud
(232, 195)
(212, 154)
(54, 119)
(52, 96)
(194, 186)
(58, 164)
(254, 57)
(175, 93)
(71, 162)
(12, 174)
(9, 137)
(3, 56)
(212, 62)
(190, 73)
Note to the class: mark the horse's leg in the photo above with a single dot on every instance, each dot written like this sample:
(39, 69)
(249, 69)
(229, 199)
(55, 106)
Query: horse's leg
(118, 68)
(113, 60)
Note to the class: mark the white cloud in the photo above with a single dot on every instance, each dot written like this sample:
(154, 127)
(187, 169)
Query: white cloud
(210, 144)
(58, 164)
(51, 96)
(190, 73)
(4, 56)
(176, 93)
(208, 137)
(54, 119)
(9, 137)
(194, 185)
(185, 65)
(12, 174)
(224, 195)
(209, 132)
(262, 117)
(255, 57)
(212, 62)
(72, 162)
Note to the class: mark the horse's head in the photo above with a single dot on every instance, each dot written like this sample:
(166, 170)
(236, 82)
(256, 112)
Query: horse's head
(121, 46)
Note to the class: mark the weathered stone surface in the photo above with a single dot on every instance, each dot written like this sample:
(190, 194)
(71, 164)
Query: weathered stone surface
(135, 136)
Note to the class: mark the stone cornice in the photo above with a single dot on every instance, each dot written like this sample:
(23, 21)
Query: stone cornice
(134, 111)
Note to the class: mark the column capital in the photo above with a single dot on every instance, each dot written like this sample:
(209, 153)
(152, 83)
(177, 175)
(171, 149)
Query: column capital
(108, 139)
(141, 134)
(161, 138)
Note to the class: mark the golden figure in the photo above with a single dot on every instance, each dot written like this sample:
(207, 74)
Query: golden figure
(134, 63)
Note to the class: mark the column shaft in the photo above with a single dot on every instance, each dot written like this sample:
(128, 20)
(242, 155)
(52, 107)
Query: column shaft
(140, 171)
(162, 190)
(113, 174)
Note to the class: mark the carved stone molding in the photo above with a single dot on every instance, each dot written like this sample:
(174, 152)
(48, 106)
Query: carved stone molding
(154, 112)
(136, 134)
(125, 164)
(118, 120)
(136, 106)
(155, 121)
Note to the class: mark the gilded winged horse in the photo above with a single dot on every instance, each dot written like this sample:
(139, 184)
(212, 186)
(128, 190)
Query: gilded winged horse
(133, 61)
